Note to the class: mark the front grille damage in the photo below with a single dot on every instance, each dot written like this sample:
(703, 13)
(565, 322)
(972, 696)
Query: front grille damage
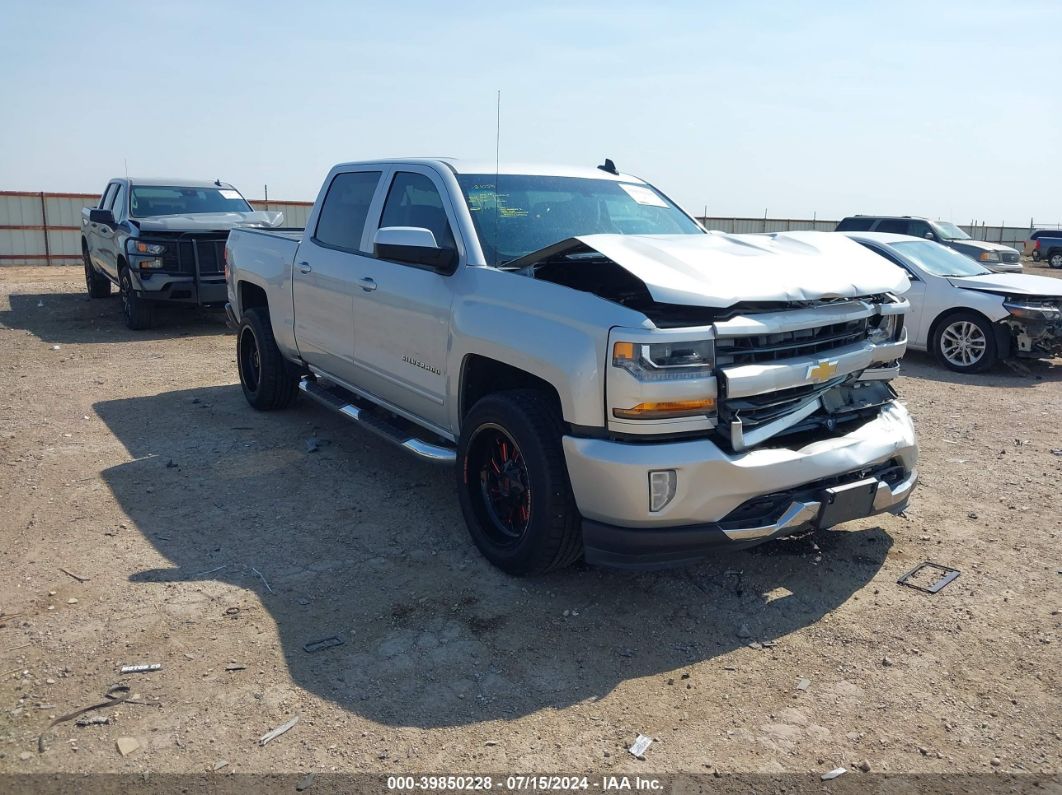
(745, 420)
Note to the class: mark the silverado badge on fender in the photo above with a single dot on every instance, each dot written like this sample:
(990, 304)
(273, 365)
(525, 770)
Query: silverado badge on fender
(421, 365)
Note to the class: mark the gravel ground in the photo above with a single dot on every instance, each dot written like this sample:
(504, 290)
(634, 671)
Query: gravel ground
(151, 517)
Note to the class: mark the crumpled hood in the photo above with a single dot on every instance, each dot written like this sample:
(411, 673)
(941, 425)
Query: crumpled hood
(980, 245)
(1011, 283)
(719, 270)
(206, 222)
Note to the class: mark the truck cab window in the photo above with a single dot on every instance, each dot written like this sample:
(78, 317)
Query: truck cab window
(107, 197)
(896, 226)
(118, 206)
(345, 208)
(415, 201)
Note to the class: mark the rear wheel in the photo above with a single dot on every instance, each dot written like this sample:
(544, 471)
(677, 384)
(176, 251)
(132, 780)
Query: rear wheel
(267, 381)
(99, 286)
(965, 342)
(138, 312)
(1055, 260)
(513, 484)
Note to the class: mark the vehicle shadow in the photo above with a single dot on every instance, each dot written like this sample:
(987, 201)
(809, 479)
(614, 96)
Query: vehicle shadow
(918, 364)
(340, 535)
(75, 318)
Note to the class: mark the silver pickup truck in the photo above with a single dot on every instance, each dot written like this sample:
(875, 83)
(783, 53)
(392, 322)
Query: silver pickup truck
(610, 380)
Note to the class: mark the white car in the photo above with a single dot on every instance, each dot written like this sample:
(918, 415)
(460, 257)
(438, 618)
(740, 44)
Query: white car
(966, 315)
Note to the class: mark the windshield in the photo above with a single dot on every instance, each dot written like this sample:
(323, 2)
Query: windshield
(939, 260)
(531, 212)
(948, 231)
(152, 200)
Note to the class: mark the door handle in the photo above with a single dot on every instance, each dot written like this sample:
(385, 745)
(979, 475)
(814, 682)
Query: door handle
(368, 284)
(304, 267)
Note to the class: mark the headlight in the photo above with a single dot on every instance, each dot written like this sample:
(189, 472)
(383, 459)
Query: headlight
(665, 361)
(885, 330)
(146, 249)
(1031, 309)
(988, 256)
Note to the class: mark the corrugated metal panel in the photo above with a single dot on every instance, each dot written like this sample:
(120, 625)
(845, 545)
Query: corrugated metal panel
(25, 244)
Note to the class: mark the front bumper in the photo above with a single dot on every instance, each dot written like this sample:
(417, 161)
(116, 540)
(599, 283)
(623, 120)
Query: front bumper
(1003, 267)
(610, 483)
(181, 289)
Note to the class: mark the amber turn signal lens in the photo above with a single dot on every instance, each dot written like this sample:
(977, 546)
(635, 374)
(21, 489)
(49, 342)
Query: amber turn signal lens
(666, 409)
(623, 350)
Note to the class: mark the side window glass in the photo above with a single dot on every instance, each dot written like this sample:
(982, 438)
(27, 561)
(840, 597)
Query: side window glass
(105, 199)
(919, 228)
(897, 226)
(345, 208)
(413, 200)
(118, 207)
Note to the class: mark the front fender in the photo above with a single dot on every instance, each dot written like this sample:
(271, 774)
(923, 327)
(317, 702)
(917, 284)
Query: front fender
(555, 333)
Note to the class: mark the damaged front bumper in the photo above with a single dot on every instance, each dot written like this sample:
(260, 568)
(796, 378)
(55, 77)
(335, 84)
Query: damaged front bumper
(735, 499)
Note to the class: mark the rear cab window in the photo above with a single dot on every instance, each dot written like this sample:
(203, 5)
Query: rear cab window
(341, 222)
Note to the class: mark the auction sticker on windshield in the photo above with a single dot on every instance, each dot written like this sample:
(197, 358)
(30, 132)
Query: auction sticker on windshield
(643, 195)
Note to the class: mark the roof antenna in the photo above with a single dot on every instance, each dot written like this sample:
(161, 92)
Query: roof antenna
(609, 166)
(497, 174)
(218, 182)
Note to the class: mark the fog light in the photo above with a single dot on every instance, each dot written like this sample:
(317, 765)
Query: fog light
(150, 264)
(662, 483)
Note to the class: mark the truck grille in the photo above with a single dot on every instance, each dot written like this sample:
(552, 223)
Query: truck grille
(180, 256)
(758, 409)
(791, 344)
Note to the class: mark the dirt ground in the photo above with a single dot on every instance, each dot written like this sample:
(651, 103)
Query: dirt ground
(212, 540)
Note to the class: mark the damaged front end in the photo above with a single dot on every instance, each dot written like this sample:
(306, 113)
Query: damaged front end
(1034, 326)
(747, 339)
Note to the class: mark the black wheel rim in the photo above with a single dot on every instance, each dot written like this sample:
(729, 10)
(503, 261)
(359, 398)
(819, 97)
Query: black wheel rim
(499, 485)
(250, 360)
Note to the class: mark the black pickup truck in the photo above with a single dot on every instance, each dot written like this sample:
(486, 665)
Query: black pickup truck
(162, 240)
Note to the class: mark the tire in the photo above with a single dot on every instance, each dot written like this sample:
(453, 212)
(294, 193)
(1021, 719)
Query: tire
(965, 342)
(138, 313)
(524, 520)
(268, 383)
(1035, 255)
(1055, 260)
(99, 286)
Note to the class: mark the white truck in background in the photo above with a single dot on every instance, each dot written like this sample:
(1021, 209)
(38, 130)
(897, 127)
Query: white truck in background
(609, 380)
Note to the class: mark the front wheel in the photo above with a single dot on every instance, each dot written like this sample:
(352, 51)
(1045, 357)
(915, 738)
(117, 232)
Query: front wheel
(267, 381)
(965, 342)
(137, 312)
(1055, 260)
(513, 484)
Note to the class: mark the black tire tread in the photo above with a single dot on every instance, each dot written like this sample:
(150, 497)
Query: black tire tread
(277, 386)
(141, 313)
(99, 286)
(563, 544)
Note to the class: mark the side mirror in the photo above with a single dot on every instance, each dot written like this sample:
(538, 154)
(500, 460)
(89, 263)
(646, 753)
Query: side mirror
(929, 236)
(415, 245)
(101, 217)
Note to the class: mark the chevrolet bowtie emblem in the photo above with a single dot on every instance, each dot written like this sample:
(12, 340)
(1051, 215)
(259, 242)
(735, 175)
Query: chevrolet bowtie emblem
(823, 371)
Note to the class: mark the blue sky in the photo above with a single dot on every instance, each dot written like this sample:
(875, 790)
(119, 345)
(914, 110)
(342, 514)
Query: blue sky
(943, 109)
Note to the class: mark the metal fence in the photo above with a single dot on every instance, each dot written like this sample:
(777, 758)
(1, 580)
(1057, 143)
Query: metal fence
(45, 228)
